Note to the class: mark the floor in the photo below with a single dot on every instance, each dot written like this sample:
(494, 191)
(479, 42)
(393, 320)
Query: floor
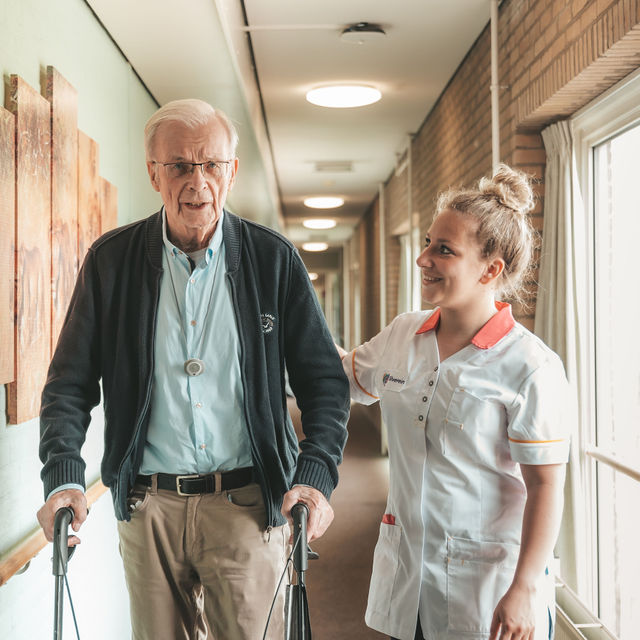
(338, 582)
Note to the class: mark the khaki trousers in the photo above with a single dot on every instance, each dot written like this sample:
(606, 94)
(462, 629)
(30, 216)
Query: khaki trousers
(202, 567)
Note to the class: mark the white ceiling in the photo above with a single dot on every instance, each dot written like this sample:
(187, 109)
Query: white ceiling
(200, 48)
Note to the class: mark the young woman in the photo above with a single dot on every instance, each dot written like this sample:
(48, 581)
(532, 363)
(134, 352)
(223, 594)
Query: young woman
(476, 411)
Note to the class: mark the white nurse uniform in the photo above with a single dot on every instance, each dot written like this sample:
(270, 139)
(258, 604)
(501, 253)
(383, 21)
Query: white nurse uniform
(458, 429)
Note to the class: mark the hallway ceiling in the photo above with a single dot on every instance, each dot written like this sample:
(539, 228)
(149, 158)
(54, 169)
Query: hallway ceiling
(200, 48)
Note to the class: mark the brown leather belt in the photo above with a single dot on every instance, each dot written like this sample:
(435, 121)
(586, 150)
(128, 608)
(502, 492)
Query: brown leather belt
(193, 485)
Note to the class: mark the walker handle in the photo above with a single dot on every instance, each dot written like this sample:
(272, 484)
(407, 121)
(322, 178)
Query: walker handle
(61, 551)
(300, 513)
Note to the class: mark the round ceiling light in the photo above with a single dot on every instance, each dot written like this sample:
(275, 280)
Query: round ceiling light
(323, 202)
(319, 223)
(344, 96)
(315, 246)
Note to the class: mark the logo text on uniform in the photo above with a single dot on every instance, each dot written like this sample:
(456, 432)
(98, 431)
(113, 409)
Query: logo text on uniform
(387, 377)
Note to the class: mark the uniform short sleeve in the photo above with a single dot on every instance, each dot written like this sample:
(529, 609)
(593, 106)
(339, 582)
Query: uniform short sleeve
(542, 417)
(361, 365)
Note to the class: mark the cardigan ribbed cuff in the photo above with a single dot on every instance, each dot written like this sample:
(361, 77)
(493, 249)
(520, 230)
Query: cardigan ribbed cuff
(315, 474)
(63, 472)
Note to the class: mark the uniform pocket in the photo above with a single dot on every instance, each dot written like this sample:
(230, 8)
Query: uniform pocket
(478, 575)
(468, 419)
(385, 567)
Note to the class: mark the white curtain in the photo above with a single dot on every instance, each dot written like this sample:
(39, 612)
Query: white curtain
(404, 280)
(558, 321)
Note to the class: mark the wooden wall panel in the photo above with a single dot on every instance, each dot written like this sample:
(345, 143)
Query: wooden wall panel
(108, 206)
(33, 259)
(88, 193)
(7, 244)
(64, 195)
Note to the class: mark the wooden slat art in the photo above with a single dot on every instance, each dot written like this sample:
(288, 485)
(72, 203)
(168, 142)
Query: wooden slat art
(33, 259)
(64, 195)
(88, 194)
(7, 247)
(108, 206)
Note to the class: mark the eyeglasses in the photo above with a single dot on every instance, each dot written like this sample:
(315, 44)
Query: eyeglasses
(210, 168)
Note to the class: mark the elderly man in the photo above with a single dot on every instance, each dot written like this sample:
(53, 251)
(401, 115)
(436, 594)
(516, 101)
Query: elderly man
(189, 317)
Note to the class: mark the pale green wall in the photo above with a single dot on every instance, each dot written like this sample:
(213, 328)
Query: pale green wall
(112, 108)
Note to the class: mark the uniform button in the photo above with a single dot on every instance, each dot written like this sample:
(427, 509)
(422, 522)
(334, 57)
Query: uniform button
(436, 369)
(203, 446)
(421, 418)
(424, 398)
(192, 281)
(198, 405)
(431, 383)
(193, 323)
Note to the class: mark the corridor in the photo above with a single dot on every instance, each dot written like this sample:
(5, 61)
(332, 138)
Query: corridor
(338, 582)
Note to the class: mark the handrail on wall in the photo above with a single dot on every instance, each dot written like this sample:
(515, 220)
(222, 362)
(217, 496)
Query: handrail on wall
(29, 548)
(610, 460)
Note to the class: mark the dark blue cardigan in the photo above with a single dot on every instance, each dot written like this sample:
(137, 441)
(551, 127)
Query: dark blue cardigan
(108, 335)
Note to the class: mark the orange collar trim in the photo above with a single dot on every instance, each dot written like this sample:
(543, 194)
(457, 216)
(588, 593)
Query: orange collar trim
(431, 322)
(497, 327)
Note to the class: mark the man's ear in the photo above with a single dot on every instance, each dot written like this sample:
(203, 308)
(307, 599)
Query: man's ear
(151, 169)
(493, 270)
(234, 171)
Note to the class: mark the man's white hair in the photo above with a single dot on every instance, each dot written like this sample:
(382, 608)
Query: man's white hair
(192, 113)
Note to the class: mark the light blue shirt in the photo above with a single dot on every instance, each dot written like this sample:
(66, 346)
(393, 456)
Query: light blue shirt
(197, 423)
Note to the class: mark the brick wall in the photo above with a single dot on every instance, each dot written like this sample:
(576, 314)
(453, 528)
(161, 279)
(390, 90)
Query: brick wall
(555, 56)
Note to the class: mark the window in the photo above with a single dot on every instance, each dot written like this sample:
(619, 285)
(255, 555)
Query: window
(608, 155)
(616, 224)
(409, 288)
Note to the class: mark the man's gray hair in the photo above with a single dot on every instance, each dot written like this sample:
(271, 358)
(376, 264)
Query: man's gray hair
(192, 113)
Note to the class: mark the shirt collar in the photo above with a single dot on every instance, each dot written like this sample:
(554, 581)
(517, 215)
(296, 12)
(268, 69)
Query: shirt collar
(497, 327)
(214, 244)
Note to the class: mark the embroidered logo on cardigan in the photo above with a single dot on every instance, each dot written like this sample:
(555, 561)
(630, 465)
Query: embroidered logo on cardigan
(268, 322)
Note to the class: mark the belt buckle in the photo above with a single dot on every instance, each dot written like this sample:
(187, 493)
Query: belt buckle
(180, 478)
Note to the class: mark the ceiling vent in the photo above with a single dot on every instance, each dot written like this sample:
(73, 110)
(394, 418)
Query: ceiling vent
(334, 166)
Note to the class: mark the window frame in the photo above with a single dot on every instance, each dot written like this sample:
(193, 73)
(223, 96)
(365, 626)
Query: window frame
(610, 115)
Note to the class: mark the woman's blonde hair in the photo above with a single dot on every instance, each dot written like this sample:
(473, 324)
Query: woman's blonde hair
(500, 206)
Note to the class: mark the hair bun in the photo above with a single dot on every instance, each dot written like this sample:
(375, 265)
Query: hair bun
(511, 188)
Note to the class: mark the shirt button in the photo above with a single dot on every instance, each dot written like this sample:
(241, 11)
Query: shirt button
(424, 398)
(198, 405)
(421, 418)
(203, 446)
(193, 323)
(192, 280)
(436, 369)
(431, 383)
